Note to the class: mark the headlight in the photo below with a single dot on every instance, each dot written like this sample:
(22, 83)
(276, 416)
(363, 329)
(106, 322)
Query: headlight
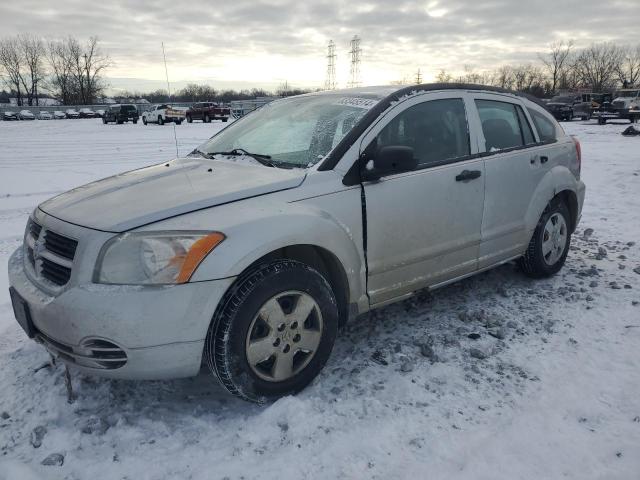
(154, 258)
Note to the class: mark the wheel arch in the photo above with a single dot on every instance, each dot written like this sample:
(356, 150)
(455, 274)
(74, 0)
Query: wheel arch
(322, 260)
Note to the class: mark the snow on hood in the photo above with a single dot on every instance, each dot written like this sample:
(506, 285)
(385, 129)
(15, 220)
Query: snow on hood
(150, 194)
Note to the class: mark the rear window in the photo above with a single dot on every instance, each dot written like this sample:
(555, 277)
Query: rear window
(128, 108)
(503, 126)
(546, 128)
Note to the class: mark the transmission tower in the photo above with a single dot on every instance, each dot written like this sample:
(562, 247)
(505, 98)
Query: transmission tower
(355, 53)
(418, 77)
(330, 82)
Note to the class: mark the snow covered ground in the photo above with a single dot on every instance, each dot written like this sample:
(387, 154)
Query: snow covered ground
(406, 394)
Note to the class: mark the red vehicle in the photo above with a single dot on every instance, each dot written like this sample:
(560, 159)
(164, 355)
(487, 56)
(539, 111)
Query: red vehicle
(207, 111)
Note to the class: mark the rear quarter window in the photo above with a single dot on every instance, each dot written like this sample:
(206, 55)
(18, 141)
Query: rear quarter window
(548, 129)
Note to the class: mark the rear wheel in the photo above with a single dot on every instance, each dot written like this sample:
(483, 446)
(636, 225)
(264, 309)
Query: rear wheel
(160, 120)
(144, 120)
(189, 119)
(273, 332)
(206, 119)
(602, 121)
(135, 121)
(549, 245)
(104, 120)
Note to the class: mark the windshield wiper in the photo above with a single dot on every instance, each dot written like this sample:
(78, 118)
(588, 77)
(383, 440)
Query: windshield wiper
(196, 151)
(263, 159)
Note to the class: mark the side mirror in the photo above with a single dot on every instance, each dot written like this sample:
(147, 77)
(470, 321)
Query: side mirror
(389, 160)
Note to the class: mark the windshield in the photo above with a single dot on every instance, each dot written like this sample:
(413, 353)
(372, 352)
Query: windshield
(628, 93)
(294, 132)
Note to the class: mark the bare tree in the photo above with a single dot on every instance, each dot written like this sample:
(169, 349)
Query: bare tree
(444, 77)
(32, 51)
(12, 64)
(628, 71)
(77, 70)
(597, 65)
(62, 82)
(557, 60)
(94, 63)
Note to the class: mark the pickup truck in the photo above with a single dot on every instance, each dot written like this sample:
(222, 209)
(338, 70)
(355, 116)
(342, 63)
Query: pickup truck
(162, 114)
(207, 111)
(625, 105)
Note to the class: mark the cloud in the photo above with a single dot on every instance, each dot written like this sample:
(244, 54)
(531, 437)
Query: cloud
(265, 42)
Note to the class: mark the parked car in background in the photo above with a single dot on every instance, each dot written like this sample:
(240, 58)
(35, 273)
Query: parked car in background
(44, 115)
(99, 113)
(120, 114)
(26, 115)
(590, 104)
(8, 116)
(561, 106)
(162, 114)
(87, 113)
(248, 255)
(207, 111)
(72, 113)
(625, 106)
(59, 115)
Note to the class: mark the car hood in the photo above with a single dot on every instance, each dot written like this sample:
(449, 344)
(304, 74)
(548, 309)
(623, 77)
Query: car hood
(154, 193)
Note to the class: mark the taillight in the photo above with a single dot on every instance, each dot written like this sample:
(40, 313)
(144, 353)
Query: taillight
(578, 152)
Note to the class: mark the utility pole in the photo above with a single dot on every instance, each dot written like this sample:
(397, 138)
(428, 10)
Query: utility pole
(355, 53)
(418, 77)
(330, 81)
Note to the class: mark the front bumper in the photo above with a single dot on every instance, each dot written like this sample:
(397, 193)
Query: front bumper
(158, 331)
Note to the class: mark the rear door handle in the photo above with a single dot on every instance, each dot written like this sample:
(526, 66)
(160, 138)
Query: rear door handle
(468, 175)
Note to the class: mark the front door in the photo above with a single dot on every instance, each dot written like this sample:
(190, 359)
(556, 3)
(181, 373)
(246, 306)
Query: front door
(423, 226)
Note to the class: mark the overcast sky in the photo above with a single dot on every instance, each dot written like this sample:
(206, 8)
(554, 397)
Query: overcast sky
(265, 42)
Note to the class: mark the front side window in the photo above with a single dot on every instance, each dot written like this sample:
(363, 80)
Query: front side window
(502, 125)
(436, 130)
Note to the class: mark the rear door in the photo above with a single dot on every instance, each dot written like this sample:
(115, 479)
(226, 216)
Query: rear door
(423, 226)
(515, 163)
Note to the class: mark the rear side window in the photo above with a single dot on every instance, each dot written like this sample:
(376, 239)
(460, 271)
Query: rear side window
(503, 125)
(436, 130)
(547, 130)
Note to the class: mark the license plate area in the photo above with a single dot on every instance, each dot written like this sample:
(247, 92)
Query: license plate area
(22, 312)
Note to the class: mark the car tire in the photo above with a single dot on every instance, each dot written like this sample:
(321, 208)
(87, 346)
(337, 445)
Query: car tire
(189, 119)
(602, 121)
(206, 119)
(144, 121)
(225, 119)
(119, 122)
(160, 120)
(135, 121)
(549, 245)
(264, 306)
(104, 120)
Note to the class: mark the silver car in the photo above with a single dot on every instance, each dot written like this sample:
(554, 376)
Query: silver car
(248, 254)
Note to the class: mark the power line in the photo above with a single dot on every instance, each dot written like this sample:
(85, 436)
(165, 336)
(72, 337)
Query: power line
(418, 77)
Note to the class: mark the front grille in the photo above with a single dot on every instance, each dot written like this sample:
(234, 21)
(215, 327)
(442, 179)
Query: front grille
(93, 353)
(54, 272)
(63, 246)
(49, 254)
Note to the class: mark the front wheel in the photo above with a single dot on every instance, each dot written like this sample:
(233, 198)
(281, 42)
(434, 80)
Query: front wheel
(160, 120)
(104, 120)
(273, 332)
(206, 119)
(144, 120)
(549, 245)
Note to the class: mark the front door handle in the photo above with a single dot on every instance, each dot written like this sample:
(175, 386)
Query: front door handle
(468, 175)
(544, 159)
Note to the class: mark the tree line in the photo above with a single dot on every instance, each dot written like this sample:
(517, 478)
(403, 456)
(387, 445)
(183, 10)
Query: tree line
(599, 67)
(67, 69)
(200, 93)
